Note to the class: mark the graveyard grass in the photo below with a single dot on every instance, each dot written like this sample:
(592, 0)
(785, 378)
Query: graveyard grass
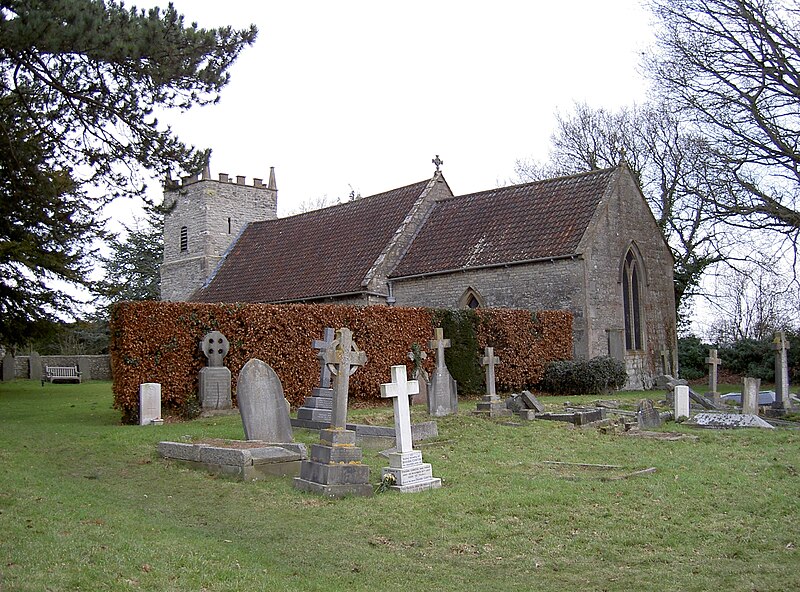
(86, 504)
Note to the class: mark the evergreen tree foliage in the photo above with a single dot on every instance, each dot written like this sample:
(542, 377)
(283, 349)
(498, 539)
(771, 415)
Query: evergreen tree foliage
(81, 83)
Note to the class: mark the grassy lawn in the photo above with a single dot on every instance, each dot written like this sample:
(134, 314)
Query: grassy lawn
(85, 504)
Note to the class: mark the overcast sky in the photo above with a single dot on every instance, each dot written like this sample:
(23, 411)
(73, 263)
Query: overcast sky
(361, 95)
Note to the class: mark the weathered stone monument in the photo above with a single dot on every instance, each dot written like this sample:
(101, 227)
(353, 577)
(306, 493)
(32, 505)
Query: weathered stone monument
(418, 356)
(750, 390)
(150, 403)
(9, 367)
(666, 361)
(783, 398)
(681, 401)
(647, 416)
(264, 409)
(713, 362)
(317, 407)
(490, 404)
(335, 468)
(443, 391)
(85, 368)
(215, 379)
(35, 366)
(405, 464)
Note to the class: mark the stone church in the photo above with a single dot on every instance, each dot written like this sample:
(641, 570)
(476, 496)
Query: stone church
(587, 243)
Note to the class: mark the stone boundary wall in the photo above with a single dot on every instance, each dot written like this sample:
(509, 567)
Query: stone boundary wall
(92, 367)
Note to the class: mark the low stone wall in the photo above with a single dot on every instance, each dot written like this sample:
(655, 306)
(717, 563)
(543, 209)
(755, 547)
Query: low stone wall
(91, 367)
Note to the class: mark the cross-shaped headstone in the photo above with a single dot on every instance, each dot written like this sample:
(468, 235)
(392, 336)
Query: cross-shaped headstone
(215, 347)
(713, 361)
(400, 389)
(321, 345)
(489, 361)
(780, 344)
(343, 359)
(438, 162)
(665, 361)
(440, 343)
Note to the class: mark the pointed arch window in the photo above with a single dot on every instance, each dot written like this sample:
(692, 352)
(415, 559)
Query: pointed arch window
(631, 301)
(471, 298)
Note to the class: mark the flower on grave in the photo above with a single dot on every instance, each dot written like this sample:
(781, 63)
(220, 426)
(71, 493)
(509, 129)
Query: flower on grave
(387, 481)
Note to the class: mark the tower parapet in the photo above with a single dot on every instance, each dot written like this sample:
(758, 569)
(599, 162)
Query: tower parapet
(207, 216)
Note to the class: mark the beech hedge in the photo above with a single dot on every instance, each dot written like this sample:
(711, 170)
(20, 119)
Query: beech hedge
(159, 342)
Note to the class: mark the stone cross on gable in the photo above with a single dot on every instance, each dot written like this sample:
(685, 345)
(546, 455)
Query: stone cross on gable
(713, 361)
(438, 162)
(440, 343)
(343, 358)
(489, 361)
(321, 345)
(399, 390)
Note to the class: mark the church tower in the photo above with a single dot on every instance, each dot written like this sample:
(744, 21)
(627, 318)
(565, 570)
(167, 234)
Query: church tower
(207, 217)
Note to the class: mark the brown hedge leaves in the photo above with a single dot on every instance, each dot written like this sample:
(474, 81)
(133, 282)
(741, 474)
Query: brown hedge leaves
(159, 342)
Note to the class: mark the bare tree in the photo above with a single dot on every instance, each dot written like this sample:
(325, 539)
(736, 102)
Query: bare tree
(733, 69)
(669, 164)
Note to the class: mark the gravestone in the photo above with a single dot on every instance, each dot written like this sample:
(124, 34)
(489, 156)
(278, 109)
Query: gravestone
(410, 474)
(264, 410)
(531, 402)
(318, 406)
(647, 416)
(616, 344)
(418, 356)
(35, 366)
(443, 391)
(149, 403)
(750, 395)
(729, 420)
(490, 403)
(215, 379)
(782, 395)
(713, 362)
(85, 368)
(335, 468)
(666, 361)
(9, 367)
(681, 401)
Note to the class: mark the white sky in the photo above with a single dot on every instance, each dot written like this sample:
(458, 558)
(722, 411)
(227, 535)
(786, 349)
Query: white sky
(363, 94)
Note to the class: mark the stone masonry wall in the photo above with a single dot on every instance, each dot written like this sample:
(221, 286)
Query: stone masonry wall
(548, 285)
(99, 366)
(214, 214)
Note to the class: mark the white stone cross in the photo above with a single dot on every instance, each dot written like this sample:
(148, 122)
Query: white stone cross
(489, 361)
(440, 343)
(400, 389)
(321, 345)
(713, 361)
(343, 359)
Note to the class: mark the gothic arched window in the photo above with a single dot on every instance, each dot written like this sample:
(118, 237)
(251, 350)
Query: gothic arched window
(631, 300)
(471, 299)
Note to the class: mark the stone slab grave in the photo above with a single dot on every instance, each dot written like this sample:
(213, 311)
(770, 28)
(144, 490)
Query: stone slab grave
(9, 367)
(578, 417)
(335, 468)
(750, 389)
(150, 404)
(490, 405)
(525, 405)
(35, 366)
(215, 379)
(681, 402)
(317, 407)
(443, 390)
(728, 420)
(409, 473)
(268, 450)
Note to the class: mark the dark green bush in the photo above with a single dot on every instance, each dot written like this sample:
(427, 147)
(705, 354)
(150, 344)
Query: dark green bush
(461, 328)
(749, 357)
(692, 354)
(599, 375)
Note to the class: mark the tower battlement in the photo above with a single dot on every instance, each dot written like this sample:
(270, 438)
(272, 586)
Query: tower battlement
(206, 218)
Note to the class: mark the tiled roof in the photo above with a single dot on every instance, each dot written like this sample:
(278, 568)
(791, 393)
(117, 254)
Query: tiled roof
(505, 225)
(323, 252)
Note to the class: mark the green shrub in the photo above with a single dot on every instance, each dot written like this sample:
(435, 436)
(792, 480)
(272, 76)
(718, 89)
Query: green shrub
(750, 357)
(599, 375)
(461, 328)
(692, 354)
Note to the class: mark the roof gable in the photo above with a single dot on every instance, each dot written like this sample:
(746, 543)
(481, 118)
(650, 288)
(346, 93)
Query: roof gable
(316, 254)
(535, 220)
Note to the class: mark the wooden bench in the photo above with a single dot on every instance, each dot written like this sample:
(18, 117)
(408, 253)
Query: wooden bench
(61, 374)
